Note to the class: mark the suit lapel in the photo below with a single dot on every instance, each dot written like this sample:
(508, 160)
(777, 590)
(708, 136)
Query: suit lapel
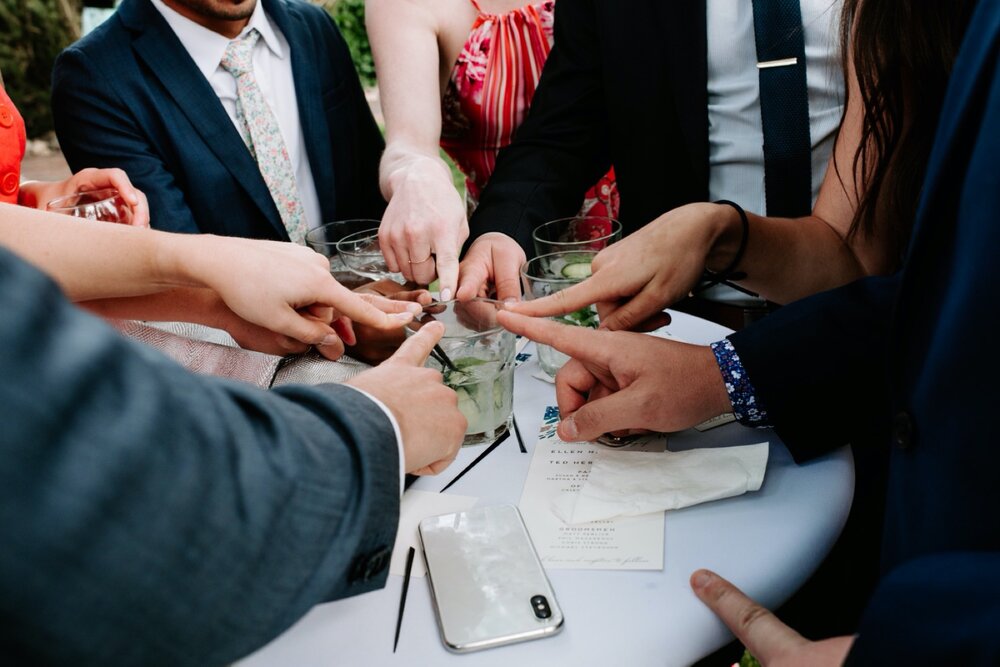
(156, 45)
(309, 94)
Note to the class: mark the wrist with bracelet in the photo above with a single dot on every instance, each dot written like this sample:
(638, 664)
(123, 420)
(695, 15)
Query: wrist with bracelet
(729, 274)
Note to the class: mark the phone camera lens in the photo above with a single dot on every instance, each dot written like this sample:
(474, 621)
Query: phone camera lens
(541, 607)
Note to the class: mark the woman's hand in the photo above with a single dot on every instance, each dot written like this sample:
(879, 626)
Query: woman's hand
(37, 194)
(493, 259)
(283, 287)
(424, 225)
(634, 279)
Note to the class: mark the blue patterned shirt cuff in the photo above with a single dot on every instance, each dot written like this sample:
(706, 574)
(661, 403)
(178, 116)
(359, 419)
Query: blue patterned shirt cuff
(746, 408)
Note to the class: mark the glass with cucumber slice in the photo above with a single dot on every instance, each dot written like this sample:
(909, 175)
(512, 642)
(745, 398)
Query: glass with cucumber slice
(548, 274)
(476, 359)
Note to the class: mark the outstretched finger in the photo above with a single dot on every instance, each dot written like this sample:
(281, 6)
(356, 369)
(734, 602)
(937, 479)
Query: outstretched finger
(507, 261)
(361, 308)
(416, 348)
(472, 276)
(578, 342)
(564, 301)
(447, 272)
(760, 631)
(631, 314)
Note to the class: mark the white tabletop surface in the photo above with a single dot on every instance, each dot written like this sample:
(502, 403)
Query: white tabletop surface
(767, 542)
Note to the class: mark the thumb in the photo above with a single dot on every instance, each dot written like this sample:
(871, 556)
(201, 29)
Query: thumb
(416, 348)
(595, 418)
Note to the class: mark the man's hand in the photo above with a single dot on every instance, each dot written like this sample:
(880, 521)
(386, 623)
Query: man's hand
(373, 345)
(424, 225)
(772, 642)
(619, 380)
(427, 410)
(37, 194)
(495, 259)
(634, 279)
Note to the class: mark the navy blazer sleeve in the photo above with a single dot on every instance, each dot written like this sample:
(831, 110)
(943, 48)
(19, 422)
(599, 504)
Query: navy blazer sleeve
(151, 516)
(935, 610)
(562, 147)
(96, 128)
(819, 366)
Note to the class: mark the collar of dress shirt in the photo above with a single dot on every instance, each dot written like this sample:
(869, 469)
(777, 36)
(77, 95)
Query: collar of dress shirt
(207, 47)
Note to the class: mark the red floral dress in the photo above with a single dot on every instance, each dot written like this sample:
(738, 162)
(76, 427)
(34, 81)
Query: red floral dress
(12, 141)
(489, 92)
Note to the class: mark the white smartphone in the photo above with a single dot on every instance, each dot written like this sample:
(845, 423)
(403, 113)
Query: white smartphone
(489, 587)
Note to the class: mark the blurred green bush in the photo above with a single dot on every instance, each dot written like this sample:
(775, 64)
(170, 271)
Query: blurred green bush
(34, 32)
(350, 18)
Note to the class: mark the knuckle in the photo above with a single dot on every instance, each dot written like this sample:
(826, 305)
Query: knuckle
(750, 615)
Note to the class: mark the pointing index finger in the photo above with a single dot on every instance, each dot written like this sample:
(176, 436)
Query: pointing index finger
(578, 342)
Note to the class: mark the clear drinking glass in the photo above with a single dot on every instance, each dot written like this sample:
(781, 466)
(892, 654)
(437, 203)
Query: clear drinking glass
(362, 255)
(582, 232)
(324, 240)
(105, 205)
(548, 274)
(476, 357)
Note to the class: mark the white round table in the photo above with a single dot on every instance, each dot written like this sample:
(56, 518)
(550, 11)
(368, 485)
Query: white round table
(767, 542)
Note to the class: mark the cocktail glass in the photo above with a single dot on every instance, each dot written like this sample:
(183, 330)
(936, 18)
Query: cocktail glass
(582, 232)
(104, 205)
(324, 240)
(476, 358)
(363, 255)
(548, 274)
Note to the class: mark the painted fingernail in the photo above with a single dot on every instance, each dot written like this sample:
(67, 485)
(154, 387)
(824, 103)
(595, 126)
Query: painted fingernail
(330, 339)
(446, 294)
(569, 428)
(701, 579)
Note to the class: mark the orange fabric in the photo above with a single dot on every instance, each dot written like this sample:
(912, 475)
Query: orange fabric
(12, 143)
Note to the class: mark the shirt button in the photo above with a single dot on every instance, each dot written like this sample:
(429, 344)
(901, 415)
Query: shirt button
(6, 116)
(9, 184)
(902, 430)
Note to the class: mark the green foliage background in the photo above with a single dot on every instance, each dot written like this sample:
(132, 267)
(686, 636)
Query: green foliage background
(33, 32)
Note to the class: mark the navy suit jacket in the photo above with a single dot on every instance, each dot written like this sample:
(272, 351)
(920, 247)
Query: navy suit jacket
(154, 517)
(128, 95)
(914, 356)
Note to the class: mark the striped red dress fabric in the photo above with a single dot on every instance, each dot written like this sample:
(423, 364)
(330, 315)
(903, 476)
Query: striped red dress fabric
(489, 91)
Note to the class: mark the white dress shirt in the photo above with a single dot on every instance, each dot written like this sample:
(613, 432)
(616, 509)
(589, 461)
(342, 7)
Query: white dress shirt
(735, 130)
(272, 65)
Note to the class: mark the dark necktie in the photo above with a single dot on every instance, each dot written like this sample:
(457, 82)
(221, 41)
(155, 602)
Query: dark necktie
(784, 107)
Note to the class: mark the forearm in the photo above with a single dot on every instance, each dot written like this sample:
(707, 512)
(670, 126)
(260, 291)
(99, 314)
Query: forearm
(785, 259)
(182, 304)
(94, 260)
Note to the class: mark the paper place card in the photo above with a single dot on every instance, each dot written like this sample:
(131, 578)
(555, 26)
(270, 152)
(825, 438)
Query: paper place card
(557, 467)
(414, 507)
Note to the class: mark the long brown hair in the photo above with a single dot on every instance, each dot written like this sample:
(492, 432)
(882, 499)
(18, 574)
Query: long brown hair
(903, 52)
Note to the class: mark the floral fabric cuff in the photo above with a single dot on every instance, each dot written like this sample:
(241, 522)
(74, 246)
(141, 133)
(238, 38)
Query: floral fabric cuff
(746, 408)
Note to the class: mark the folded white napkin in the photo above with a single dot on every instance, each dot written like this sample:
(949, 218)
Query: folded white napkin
(628, 483)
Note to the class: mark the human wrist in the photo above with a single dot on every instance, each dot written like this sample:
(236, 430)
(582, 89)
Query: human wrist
(726, 226)
(401, 167)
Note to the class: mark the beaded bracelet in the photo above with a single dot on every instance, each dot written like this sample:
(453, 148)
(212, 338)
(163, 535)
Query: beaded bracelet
(728, 274)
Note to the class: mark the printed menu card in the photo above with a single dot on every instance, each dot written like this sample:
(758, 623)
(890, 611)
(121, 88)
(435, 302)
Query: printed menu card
(557, 467)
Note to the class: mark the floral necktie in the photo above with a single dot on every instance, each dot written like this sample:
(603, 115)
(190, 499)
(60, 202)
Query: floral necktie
(260, 131)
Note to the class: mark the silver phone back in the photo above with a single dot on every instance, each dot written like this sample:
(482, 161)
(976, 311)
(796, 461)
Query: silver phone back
(483, 572)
